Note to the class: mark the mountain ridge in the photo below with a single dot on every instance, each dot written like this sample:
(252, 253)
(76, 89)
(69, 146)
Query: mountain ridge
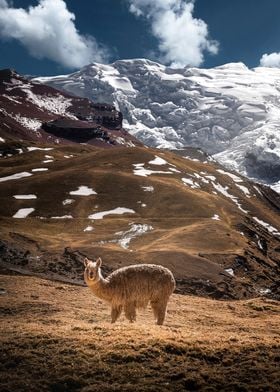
(229, 111)
(32, 111)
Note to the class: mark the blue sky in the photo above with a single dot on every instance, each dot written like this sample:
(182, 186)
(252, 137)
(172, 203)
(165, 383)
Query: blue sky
(107, 30)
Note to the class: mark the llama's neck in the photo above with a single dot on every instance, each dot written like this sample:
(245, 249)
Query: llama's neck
(100, 287)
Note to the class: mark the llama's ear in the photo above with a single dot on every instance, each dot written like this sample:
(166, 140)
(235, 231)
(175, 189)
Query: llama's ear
(86, 261)
(98, 262)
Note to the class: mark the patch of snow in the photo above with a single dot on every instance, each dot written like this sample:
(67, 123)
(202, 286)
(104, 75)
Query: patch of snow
(189, 181)
(88, 228)
(25, 197)
(23, 213)
(40, 169)
(224, 191)
(135, 230)
(174, 170)
(68, 156)
(260, 245)
(57, 104)
(47, 161)
(158, 161)
(212, 178)
(148, 188)
(115, 211)
(269, 227)
(2, 140)
(83, 191)
(244, 189)
(121, 140)
(49, 157)
(231, 175)
(264, 291)
(276, 187)
(142, 172)
(15, 176)
(11, 99)
(216, 217)
(257, 189)
(39, 148)
(229, 271)
(201, 178)
(192, 159)
(68, 201)
(62, 217)
(29, 123)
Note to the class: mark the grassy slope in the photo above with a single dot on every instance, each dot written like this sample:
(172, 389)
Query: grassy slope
(57, 337)
(184, 237)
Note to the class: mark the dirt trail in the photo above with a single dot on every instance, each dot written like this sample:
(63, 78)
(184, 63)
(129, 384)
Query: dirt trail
(57, 337)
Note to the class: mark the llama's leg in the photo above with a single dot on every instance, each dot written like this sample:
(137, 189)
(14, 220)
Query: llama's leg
(116, 312)
(159, 309)
(130, 311)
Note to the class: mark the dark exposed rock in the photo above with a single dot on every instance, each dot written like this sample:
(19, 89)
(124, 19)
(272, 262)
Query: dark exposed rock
(75, 130)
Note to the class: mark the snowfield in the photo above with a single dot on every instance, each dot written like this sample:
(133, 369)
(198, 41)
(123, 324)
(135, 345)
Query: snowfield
(229, 111)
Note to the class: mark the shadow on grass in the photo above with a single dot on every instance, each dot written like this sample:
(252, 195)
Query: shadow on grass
(43, 363)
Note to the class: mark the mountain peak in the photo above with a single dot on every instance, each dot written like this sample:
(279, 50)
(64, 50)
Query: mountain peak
(7, 73)
(230, 110)
(231, 66)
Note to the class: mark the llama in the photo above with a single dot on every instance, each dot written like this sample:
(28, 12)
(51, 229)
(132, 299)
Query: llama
(131, 288)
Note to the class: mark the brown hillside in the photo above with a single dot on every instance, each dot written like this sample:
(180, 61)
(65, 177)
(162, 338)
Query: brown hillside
(218, 233)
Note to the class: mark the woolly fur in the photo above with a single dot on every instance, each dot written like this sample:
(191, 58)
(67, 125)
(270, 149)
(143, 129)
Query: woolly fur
(131, 288)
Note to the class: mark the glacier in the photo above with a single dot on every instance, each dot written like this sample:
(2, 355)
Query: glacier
(230, 111)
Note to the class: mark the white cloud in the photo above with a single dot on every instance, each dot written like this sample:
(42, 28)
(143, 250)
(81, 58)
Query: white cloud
(270, 60)
(48, 30)
(183, 39)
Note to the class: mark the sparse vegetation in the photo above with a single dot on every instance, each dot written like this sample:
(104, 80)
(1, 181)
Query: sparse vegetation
(184, 237)
(57, 337)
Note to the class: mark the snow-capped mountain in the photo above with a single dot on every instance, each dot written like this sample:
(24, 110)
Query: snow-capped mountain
(229, 111)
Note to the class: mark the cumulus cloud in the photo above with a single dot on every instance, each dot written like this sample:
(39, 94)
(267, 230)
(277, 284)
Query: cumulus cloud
(270, 60)
(183, 39)
(48, 30)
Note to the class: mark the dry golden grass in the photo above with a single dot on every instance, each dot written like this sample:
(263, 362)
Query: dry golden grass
(57, 337)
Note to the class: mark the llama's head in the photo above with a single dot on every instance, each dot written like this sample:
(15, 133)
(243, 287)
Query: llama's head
(92, 269)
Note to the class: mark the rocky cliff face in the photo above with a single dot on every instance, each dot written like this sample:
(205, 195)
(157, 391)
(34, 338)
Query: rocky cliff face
(230, 111)
(31, 111)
